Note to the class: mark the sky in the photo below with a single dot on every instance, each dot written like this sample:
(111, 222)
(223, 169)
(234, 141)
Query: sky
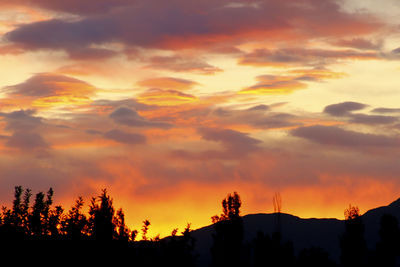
(171, 105)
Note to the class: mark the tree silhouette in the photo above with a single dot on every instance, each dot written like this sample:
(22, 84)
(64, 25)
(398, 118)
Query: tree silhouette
(314, 257)
(145, 229)
(101, 218)
(352, 242)
(388, 248)
(123, 232)
(271, 251)
(75, 224)
(228, 237)
(39, 217)
(179, 250)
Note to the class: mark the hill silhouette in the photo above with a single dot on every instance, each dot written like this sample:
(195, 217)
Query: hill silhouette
(304, 233)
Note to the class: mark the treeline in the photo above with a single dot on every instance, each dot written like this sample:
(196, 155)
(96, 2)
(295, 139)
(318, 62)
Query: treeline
(41, 233)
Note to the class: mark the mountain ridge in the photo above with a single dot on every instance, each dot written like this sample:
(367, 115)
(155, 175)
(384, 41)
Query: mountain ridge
(302, 232)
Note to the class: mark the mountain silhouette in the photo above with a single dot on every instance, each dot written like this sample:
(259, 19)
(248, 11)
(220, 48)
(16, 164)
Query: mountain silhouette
(304, 233)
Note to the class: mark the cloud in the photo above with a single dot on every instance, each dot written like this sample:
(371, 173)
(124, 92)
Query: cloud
(48, 84)
(343, 109)
(186, 24)
(47, 90)
(182, 64)
(125, 138)
(107, 105)
(72, 6)
(386, 110)
(168, 83)
(25, 131)
(287, 57)
(331, 135)
(163, 97)
(260, 117)
(26, 141)
(372, 119)
(21, 120)
(346, 109)
(232, 140)
(359, 43)
(274, 84)
(129, 117)
(295, 79)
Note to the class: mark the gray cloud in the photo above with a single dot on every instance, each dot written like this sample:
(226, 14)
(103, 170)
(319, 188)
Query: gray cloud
(160, 24)
(27, 141)
(331, 135)
(49, 84)
(21, 120)
(124, 137)
(343, 109)
(386, 110)
(372, 119)
(129, 117)
(302, 56)
(233, 141)
(182, 64)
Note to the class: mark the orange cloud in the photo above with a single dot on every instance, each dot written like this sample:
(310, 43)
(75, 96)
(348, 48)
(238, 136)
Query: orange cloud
(168, 83)
(270, 84)
(47, 90)
(165, 97)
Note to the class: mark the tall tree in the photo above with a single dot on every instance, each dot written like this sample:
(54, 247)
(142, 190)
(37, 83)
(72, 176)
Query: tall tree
(228, 236)
(75, 223)
(352, 242)
(39, 217)
(123, 232)
(101, 218)
(388, 248)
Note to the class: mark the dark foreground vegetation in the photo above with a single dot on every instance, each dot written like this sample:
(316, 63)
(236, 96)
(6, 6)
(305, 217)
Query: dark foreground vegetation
(40, 233)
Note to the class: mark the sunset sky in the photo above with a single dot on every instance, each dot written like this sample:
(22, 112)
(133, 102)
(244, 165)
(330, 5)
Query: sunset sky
(173, 104)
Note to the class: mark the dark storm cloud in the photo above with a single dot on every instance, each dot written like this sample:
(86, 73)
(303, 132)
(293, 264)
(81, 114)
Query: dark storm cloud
(331, 135)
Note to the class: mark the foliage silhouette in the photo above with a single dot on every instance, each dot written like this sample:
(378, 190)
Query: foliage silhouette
(75, 224)
(42, 233)
(352, 242)
(314, 257)
(388, 248)
(101, 217)
(271, 251)
(227, 249)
